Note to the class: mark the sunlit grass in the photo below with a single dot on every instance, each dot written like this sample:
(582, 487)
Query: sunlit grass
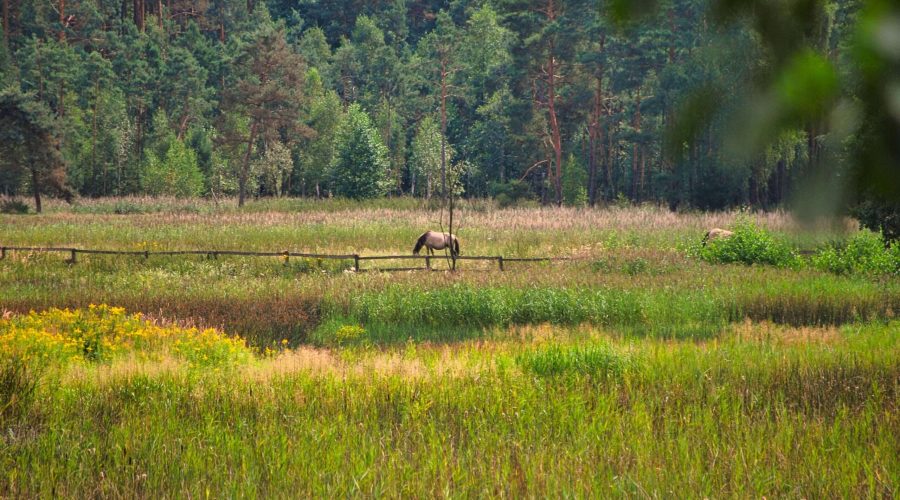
(537, 411)
(631, 369)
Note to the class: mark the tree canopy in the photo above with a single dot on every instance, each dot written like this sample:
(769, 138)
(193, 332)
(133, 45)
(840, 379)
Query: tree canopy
(689, 103)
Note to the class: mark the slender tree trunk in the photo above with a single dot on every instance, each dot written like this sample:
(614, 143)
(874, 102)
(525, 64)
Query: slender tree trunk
(6, 22)
(595, 134)
(444, 191)
(159, 13)
(36, 187)
(40, 71)
(94, 136)
(62, 20)
(245, 166)
(444, 128)
(556, 139)
(502, 164)
(636, 173)
(139, 14)
(608, 153)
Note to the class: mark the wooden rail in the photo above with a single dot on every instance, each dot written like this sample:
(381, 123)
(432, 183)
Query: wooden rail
(286, 255)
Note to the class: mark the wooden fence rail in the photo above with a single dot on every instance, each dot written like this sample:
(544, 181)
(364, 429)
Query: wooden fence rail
(214, 254)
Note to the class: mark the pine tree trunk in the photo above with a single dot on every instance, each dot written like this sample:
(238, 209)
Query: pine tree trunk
(595, 134)
(444, 128)
(36, 187)
(94, 136)
(636, 173)
(62, 20)
(139, 14)
(6, 22)
(556, 139)
(608, 153)
(245, 166)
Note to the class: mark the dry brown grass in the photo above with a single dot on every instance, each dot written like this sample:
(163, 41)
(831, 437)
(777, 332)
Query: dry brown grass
(772, 333)
(427, 362)
(639, 218)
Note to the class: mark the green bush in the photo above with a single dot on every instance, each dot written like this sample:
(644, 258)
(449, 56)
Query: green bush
(176, 175)
(510, 193)
(592, 360)
(749, 244)
(865, 253)
(574, 183)
(359, 168)
(13, 207)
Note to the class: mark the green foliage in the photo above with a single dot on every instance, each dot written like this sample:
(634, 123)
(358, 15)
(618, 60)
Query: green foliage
(274, 167)
(594, 360)
(574, 183)
(425, 161)
(13, 206)
(865, 253)
(176, 175)
(748, 245)
(880, 215)
(510, 193)
(360, 165)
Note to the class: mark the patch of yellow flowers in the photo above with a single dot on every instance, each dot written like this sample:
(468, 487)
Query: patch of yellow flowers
(102, 333)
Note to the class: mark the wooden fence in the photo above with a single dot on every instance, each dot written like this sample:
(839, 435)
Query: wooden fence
(286, 255)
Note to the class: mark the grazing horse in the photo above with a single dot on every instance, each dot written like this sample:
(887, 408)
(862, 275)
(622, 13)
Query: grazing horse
(436, 241)
(716, 234)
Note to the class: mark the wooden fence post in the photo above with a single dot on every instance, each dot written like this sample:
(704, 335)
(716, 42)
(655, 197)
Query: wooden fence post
(500, 262)
(287, 255)
(73, 259)
(356, 262)
(2, 253)
(427, 262)
(146, 254)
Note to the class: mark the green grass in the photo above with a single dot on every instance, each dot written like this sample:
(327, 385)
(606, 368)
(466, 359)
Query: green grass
(632, 369)
(739, 417)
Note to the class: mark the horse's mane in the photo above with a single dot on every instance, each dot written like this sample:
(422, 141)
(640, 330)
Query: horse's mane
(420, 243)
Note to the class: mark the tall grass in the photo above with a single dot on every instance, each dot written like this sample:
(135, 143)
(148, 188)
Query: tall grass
(744, 418)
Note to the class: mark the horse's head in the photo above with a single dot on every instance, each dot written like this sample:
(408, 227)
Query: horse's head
(420, 243)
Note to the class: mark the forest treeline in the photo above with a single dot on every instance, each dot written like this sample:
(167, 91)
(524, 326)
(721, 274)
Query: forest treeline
(547, 99)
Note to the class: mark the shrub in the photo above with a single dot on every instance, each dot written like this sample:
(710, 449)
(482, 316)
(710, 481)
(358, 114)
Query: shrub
(574, 183)
(123, 207)
(879, 214)
(177, 175)
(749, 244)
(13, 207)
(865, 253)
(510, 193)
(591, 360)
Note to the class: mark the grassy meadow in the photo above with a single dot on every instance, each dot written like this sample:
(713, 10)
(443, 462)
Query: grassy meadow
(638, 367)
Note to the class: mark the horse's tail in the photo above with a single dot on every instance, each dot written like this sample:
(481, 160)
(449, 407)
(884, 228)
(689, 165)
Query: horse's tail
(456, 246)
(420, 243)
(705, 238)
